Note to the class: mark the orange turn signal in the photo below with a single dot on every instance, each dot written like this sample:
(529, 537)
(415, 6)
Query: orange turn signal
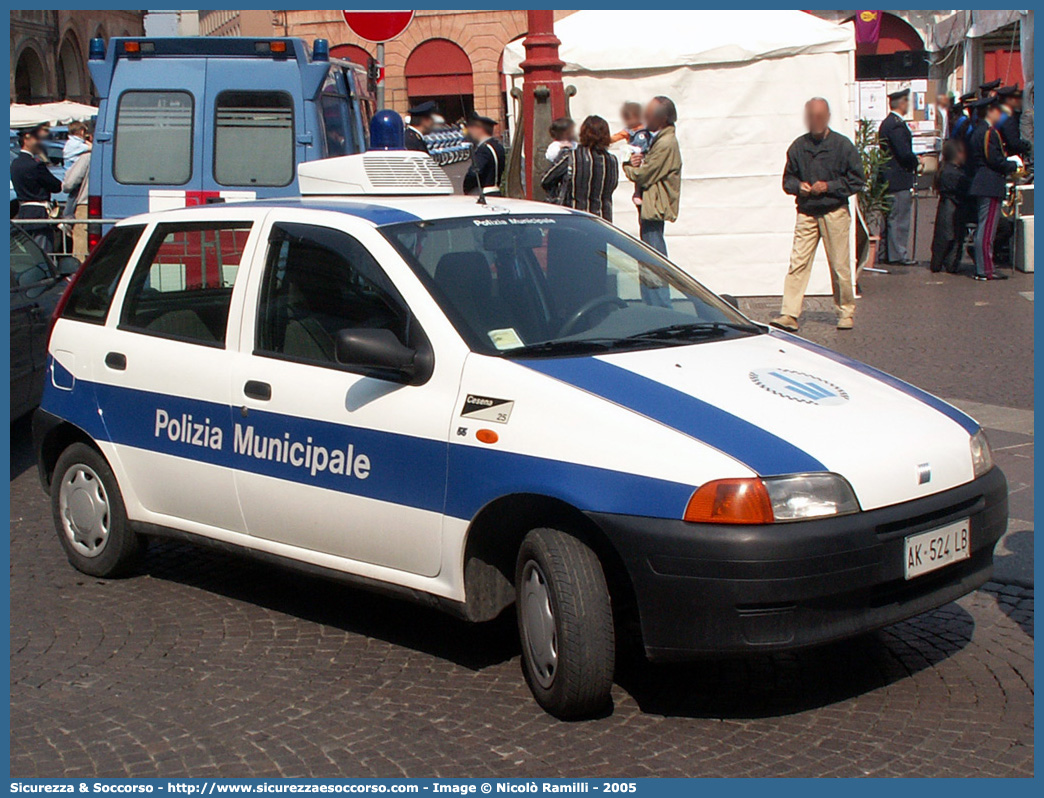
(132, 47)
(730, 501)
(487, 436)
(278, 47)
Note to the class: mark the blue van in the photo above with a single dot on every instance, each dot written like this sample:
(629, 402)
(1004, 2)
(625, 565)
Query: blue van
(193, 120)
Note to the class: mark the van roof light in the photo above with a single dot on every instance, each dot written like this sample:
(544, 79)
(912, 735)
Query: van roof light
(96, 51)
(320, 50)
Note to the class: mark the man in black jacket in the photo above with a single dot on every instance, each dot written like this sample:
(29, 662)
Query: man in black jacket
(422, 122)
(901, 173)
(34, 184)
(487, 158)
(1010, 98)
(823, 170)
(989, 185)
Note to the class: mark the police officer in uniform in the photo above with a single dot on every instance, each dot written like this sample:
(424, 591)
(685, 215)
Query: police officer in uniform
(1014, 144)
(422, 122)
(989, 89)
(989, 185)
(962, 124)
(34, 184)
(901, 173)
(487, 159)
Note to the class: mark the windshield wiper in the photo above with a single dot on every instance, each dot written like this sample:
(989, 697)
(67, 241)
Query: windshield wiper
(700, 329)
(564, 347)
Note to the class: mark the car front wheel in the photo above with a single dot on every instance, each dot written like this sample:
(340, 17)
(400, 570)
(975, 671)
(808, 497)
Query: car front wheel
(565, 622)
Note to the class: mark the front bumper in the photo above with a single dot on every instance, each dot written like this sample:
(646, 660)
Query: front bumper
(705, 588)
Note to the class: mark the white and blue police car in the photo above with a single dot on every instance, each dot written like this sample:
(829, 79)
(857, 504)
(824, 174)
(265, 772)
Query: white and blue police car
(484, 405)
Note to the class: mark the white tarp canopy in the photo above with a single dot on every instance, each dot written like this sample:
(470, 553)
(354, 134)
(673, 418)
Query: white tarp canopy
(59, 113)
(740, 80)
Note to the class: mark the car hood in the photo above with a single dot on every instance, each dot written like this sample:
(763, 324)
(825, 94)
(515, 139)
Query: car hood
(780, 404)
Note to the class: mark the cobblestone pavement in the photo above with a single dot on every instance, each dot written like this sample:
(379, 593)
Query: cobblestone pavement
(207, 665)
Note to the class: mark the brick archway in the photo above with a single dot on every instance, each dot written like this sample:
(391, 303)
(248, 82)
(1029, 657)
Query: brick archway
(30, 78)
(438, 67)
(72, 80)
(351, 52)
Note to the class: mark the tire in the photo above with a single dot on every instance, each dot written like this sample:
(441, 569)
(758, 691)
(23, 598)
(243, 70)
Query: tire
(89, 515)
(565, 624)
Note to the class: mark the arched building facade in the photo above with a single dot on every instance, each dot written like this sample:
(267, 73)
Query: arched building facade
(49, 51)
(452, 57)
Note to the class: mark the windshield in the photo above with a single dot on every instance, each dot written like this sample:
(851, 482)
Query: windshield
(559, 285)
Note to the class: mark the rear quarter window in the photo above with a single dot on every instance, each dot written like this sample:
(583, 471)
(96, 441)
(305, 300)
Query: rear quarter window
(91, 296)
(153, 142)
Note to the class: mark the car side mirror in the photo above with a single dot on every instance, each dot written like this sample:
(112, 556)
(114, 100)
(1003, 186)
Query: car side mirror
(67, 266)
(378, 350)
(731, 300)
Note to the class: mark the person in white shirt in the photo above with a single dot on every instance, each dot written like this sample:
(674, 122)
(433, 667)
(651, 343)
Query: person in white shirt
(563, 138)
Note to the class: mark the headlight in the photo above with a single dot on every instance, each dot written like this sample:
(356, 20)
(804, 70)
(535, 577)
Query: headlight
(810, 496)
(982, 457)
(772, 500)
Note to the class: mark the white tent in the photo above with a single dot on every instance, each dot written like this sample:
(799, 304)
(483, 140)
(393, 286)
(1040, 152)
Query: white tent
(59, 113)
(740, 80)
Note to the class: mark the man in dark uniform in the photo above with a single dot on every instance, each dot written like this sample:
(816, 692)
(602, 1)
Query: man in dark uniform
(989, 185)
(901, 173)
(1014, 144)
(422, 122)
(34, 184)
(487, 158)
(989, 89)
(961, 125)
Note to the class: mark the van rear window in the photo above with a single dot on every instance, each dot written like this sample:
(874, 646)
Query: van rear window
(254, 138)
(153, 144)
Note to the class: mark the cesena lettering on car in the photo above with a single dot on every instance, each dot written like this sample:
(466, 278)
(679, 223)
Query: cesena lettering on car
(480, 404)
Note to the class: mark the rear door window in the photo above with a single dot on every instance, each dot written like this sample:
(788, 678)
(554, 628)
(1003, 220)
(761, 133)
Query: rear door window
(182, 285)
(153, 143)
(91, 296)
(254, 138)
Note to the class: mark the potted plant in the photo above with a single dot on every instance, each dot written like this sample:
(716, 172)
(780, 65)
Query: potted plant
(873, 201)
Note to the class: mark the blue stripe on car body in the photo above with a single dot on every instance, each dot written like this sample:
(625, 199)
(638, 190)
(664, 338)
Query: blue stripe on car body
(457, 479)
(760, 450)
(948, 410)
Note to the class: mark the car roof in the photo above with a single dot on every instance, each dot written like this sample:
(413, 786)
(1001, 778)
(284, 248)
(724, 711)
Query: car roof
(377, 210)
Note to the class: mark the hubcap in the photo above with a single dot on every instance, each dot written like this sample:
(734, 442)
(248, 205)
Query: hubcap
(538, 624)
(84, 508)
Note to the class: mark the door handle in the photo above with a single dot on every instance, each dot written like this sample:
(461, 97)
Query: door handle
(116, 360)
(258, 390)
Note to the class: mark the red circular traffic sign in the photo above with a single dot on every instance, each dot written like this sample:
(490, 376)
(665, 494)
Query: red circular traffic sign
(378, 26)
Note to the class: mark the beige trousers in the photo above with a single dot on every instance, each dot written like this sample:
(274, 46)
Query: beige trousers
(79, 234)
(833, 229)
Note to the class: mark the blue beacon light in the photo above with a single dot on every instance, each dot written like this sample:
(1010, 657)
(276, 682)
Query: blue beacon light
(387, 131)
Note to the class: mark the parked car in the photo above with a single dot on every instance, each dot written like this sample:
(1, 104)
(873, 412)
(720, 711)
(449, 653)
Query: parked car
(37, 283)
(478, 404)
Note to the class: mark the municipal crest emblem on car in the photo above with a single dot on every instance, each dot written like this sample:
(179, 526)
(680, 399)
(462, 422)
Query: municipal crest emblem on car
(799, 386)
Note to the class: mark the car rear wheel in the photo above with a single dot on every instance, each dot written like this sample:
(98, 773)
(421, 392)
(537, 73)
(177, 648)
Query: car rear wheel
(89, 514)
(565, 623)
